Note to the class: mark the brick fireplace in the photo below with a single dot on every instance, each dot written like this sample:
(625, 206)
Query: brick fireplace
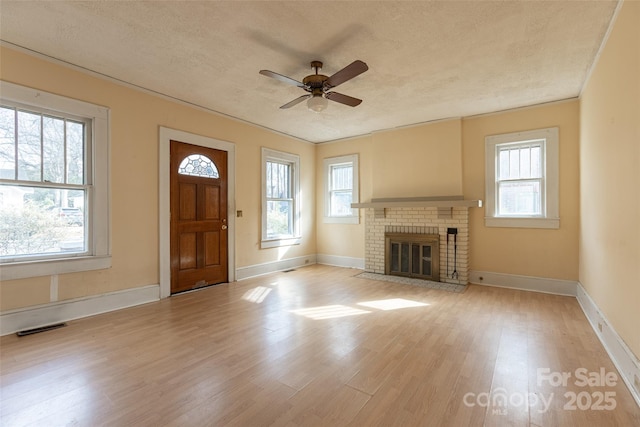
(421, 220)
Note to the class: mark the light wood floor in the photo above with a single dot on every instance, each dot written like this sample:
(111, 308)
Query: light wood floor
(315, 347)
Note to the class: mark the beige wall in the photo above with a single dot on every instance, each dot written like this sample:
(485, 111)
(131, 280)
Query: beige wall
(447, 158)
(25, 292)
(610, 179)
(415, 161)
(546, 253)
(135, 121)
(345, 240)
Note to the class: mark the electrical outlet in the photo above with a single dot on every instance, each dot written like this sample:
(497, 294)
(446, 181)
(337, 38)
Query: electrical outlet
(636, 382)
(600, 326)
(306, 261)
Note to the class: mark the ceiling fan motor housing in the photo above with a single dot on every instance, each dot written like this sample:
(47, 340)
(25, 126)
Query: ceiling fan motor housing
(315, 82)
(315, 85)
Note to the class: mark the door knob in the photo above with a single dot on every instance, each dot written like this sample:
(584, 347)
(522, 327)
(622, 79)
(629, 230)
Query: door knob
(224, 227)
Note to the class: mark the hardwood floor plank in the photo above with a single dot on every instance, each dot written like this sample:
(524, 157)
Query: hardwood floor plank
(313, 347)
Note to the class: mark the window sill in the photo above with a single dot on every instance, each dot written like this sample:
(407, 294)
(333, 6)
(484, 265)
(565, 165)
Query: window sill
(552, 223)
(276, 243)
(26, 269)
(342, 219)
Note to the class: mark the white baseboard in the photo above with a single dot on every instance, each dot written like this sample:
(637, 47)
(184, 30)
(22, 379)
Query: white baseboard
(524, 283)
(341, 261)
(272, 267)
(12, 321)
(620, 354)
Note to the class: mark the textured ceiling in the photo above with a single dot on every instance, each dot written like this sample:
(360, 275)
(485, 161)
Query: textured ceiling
(428, 60)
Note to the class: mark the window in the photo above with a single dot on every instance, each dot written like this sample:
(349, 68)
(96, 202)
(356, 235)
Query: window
(522, 179)
(341, 189)
(198, 165)
(280, 198)
(54, 210)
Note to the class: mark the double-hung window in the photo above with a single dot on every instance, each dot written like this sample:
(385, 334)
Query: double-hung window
(53, 184)
(341, 189)
(522, 179)
(280, 198)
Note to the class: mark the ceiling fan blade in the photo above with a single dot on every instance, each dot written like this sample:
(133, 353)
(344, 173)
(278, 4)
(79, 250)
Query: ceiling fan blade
(347, 73)
(343, 99)
(295, 101)
(282, 78)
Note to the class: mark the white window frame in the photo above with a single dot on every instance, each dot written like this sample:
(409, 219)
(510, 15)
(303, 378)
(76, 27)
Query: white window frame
(98, 255)
(293, 160)
(328, 164)
(550, 217)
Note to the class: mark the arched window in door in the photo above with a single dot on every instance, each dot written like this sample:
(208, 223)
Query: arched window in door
(198, 165)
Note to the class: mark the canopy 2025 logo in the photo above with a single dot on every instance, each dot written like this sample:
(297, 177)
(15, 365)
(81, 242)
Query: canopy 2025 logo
(584, 400)
(500, 400)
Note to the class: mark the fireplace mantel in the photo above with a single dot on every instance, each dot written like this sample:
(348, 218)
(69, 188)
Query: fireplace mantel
(421, 202)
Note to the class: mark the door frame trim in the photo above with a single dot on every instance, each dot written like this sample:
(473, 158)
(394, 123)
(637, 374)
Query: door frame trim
(164, 199)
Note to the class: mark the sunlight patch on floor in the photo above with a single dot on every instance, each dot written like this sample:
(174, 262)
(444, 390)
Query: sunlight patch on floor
(257, 294)
(392, 304)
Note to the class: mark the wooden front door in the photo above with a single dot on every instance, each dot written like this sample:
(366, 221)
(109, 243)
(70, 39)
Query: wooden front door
(198, 216)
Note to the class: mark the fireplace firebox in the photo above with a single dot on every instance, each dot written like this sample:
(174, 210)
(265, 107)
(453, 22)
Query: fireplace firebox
(413, 255)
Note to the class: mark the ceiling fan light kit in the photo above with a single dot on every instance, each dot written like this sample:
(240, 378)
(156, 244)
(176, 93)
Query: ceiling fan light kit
(317, 103)
(318, 86)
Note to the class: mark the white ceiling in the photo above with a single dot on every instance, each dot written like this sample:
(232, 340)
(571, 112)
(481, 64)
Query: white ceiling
(428, 60)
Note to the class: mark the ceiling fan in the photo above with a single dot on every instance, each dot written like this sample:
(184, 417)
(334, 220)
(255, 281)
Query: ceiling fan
(319, 85)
